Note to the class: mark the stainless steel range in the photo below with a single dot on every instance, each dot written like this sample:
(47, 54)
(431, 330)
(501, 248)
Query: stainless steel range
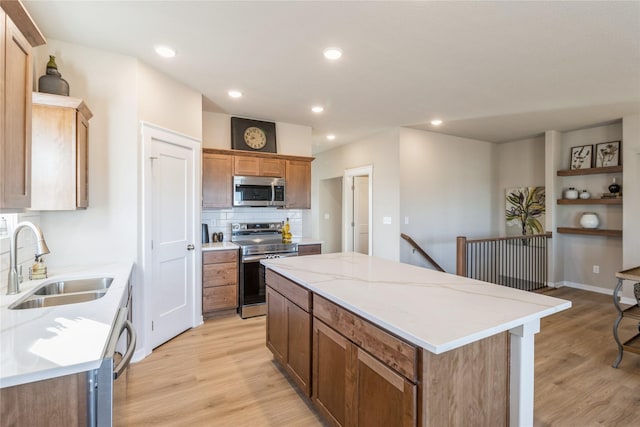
(257, 241)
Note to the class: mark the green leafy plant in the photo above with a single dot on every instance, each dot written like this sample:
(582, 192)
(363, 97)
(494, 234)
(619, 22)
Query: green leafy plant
(524, 206)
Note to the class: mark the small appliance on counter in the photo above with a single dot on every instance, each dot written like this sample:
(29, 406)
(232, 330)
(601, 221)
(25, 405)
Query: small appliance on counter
(205, 233)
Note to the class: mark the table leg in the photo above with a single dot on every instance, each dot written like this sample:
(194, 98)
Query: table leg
(617, 338)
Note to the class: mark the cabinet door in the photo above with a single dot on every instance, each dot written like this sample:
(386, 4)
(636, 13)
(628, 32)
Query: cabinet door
(16, 139)
(272, 167)
(384, 398)
(82, 161)
(219, 298)
(217, 181)
(299, 346)
(298, 178)
(333, 377)
(277, 325)
(309, 249)
(246, 166)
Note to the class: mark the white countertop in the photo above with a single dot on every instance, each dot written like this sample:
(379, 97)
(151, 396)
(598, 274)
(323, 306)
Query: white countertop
(42, 343)
(219, 246)
(436, 311)
(307, 241)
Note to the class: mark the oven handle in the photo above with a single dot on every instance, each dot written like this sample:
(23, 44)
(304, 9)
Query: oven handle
(257, 258)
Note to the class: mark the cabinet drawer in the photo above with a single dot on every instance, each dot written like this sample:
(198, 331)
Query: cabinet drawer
(393, 351)
(215, 257)
(219, 297)
(219, 274)
(293, 292)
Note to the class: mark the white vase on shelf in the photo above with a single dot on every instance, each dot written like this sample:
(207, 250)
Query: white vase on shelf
(589, 220)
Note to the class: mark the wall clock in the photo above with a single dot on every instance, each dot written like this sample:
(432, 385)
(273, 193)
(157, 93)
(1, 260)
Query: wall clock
(253, 135)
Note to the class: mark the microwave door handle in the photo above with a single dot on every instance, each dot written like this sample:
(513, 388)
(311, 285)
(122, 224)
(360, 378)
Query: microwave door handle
(273, 193)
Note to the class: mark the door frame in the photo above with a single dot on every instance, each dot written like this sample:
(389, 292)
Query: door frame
(143, 326)
(347, 205)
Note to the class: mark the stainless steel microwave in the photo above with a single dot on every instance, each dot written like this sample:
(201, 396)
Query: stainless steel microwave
(258, 191)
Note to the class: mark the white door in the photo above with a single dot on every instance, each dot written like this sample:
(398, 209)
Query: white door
(361, 214)
(172, 218)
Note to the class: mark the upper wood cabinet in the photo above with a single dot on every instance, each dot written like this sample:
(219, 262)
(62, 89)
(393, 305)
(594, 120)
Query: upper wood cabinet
(59, 154)
(258, 166)
(298, 184)
(18, 34)
(217, 180)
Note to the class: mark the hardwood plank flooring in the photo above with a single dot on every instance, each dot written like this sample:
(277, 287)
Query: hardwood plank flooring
(221, 374)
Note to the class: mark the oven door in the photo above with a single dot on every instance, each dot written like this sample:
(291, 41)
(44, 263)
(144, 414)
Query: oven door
(252, 285)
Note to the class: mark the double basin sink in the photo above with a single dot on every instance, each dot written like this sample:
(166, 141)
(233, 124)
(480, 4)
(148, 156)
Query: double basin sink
(65, 292)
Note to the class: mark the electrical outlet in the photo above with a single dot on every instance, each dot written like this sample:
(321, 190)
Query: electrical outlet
(596, 269)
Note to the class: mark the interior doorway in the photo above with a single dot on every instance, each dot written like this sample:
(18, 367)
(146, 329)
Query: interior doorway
(357, 235)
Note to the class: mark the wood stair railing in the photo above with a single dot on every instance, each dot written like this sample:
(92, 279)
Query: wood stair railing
(422, 252)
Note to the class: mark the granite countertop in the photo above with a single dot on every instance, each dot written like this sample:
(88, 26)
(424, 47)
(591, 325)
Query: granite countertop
(48, 342)
(436, 311)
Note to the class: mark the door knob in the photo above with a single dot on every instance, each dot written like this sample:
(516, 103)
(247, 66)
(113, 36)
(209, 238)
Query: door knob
(190, 247)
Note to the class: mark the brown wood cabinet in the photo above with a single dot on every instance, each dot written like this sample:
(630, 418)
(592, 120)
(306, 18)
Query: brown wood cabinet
(289, 328)
(60, 152)
(217, 181)
(298, 181)
(219, 282)
(258, 166)
(18, 34)
(313, 249)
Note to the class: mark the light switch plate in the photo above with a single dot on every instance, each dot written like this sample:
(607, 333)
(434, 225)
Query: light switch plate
(386, 220)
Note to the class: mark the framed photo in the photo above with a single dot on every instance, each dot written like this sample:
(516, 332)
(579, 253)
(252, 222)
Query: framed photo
(607, 154)
(253, 135)
(581, 157)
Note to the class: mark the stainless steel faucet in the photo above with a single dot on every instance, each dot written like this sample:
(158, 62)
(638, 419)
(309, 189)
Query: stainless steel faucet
(41, 249)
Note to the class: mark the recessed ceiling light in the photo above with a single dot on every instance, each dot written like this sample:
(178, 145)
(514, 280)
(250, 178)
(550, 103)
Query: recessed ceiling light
(436, 122)
(332, 53)
(235, 93)
(331, 137)
(317, 109)
(165, 51)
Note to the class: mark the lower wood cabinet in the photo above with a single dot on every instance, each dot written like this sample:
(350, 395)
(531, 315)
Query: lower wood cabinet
(289, 328)
(313, 249)
(352, 388)
(219, 282)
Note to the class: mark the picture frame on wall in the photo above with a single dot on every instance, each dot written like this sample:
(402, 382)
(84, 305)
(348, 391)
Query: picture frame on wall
(581, 157)
(253, 135)
(607, 154)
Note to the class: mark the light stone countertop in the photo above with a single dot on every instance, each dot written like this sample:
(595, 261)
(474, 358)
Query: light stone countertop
(307, 241)
(436, 311)
(219, 246)
(43, 343)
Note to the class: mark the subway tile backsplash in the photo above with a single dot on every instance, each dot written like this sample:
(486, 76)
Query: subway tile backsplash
(221, 220)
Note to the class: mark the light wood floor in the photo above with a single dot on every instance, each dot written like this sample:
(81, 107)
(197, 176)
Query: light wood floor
(221, 374)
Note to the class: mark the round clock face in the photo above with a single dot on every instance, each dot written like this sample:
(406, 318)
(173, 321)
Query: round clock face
(255, 137)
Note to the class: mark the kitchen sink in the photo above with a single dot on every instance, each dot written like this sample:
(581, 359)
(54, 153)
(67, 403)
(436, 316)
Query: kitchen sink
(75, 285)
(60, 299)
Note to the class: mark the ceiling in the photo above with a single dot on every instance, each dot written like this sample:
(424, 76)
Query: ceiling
(493, 71)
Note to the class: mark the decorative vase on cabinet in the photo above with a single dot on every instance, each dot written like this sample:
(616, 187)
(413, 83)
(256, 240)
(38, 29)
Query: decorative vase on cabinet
(589, 220)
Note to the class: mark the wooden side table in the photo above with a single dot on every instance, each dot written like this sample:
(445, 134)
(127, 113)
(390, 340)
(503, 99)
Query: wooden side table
(632, 344)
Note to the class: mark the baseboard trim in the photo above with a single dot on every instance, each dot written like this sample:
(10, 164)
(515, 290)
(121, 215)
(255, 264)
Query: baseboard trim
(590, 288)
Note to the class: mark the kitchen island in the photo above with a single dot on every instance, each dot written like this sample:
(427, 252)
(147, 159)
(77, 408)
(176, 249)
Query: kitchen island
(375, 342)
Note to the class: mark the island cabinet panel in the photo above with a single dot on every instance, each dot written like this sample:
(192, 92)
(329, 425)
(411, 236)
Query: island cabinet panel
(217, 181)
(393, 351)
(352, 388)
(477, 379)
(289, 327)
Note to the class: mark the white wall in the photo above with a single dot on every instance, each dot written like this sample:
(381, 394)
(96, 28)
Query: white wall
(382, 152)
(447, 189)
(330, 214)
(293, 140)
(519, 164)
